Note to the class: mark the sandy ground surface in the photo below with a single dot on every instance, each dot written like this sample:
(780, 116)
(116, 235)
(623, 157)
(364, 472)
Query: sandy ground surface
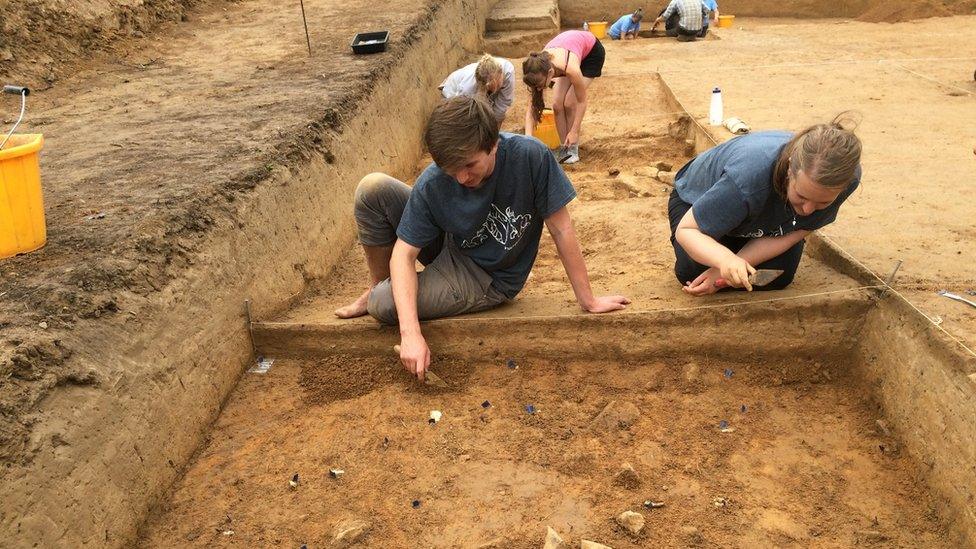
(804, 462)
(913, 85)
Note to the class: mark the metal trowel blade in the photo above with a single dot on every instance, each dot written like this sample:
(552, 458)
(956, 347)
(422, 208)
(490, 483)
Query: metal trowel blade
(765, 276)
(430, 378)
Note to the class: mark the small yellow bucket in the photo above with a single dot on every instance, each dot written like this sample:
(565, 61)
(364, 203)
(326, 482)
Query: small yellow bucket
(598, 28)
(22, 226)
(545, 130)
(725, 21)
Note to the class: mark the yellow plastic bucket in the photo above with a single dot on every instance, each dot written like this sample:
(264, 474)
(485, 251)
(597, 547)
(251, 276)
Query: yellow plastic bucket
(22, 226)
(545, 130)
(725, 21)
(598, 28)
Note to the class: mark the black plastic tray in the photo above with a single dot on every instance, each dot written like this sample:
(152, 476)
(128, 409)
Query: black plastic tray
(375, 42)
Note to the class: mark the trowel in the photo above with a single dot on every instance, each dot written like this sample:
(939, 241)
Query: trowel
(759, 278)
(430, 378)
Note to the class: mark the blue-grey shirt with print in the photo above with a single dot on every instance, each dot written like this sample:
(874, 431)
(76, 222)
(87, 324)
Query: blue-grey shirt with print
(497, 225)
(730, 188)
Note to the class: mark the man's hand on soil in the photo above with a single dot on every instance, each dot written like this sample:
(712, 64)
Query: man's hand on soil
(415, 355)
(704, 284)
(606, 304)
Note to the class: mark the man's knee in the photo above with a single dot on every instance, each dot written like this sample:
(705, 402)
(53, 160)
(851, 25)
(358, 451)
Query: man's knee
(559, 107)
(372, 185)
(686, 272)
(380, 304)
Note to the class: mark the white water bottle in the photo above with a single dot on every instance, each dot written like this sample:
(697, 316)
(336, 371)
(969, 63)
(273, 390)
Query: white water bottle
(586, 26)
(715, 110)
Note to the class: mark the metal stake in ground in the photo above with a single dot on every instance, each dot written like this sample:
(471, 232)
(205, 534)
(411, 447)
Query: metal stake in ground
(304, 22)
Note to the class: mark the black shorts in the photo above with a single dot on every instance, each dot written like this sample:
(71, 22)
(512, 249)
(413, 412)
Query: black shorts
(592, 65)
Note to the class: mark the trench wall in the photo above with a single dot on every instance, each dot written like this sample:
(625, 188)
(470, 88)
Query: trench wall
(670, 333)
(97, 474)
(926, 384)
(574, 12)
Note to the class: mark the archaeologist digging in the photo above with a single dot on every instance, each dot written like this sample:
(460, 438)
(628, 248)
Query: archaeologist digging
(750, 202)
(683, 19)
(627, 27)
(492, 77)
(568, 64)
(474, 219)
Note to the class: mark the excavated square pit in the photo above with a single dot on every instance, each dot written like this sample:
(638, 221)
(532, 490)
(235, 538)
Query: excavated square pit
(743, 448)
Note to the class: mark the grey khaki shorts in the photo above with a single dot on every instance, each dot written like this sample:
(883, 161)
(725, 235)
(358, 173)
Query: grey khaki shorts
(450, 284)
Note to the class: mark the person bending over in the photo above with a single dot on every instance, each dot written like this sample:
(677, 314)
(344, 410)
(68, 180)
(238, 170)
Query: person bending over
(492, 77)
(474, 219)
(750, 202)
(627, 27)
(568, 64)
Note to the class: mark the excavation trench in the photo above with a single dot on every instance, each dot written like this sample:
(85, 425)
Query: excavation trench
(756, 420)
(159, 421)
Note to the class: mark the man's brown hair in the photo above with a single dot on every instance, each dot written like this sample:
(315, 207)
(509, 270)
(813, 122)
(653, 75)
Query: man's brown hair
(458, 128)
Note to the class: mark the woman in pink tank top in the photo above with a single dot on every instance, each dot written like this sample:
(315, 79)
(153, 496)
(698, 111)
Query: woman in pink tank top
(569, 63)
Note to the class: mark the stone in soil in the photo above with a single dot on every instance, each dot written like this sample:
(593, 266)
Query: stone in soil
(627, 477)
(587, 544)
(631, 521)
(349, 532)
(616, 415)
(553, 541)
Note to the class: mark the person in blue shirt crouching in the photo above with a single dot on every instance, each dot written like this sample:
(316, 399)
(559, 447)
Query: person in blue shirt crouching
(709, 15)
(750, 202)
(627, 27)
(474, 218)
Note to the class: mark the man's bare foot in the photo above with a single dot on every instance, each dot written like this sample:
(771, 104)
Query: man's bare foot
(354, 309)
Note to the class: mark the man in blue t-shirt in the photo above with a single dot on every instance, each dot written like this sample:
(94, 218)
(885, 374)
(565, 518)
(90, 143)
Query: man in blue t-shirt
(627, 27)
(473, 218)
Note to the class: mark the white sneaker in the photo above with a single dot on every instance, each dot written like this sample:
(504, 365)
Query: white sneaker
(572, 154)
(560, 153)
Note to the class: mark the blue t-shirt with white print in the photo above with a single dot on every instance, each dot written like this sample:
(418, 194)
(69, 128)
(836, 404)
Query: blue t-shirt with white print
(499, 224)
(730, 188)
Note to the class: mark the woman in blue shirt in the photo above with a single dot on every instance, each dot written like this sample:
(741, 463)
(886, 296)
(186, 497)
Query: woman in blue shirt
(627, 27)
(750, 202)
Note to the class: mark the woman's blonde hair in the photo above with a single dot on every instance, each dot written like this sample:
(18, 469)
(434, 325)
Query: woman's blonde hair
(488, 69)
(828, 153)
(535, 72)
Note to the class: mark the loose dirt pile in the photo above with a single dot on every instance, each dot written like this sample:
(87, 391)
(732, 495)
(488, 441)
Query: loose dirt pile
(39, 38)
